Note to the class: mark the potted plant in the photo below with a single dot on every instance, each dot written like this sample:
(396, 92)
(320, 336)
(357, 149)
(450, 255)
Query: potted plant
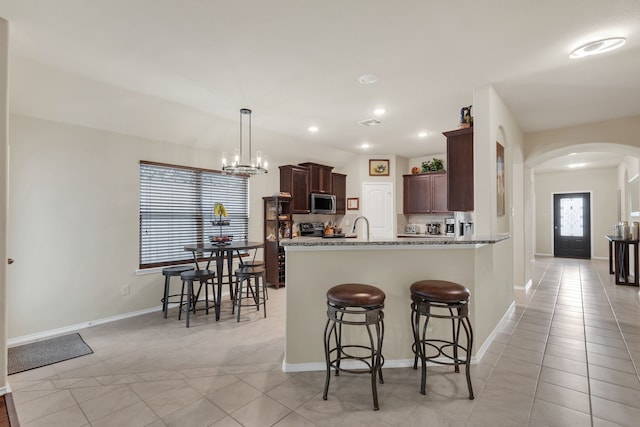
(433, 166)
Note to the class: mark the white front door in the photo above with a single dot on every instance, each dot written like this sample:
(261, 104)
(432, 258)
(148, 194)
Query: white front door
(378, 207)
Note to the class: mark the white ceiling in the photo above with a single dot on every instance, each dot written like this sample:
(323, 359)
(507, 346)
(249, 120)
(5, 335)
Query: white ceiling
(179, 70)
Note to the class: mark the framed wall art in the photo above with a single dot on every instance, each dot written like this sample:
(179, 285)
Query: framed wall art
(500, 208)
(379, 167)
(353, 203)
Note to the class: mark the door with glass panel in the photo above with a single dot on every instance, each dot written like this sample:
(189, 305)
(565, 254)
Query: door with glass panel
(572, 225)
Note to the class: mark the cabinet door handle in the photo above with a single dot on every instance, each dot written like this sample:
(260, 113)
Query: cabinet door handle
(10, 261)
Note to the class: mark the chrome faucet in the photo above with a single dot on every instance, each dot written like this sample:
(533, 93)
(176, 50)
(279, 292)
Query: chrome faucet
(355, 223)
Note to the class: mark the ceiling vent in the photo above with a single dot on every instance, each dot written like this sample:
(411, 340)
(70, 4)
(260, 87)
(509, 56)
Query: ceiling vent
(370, 122)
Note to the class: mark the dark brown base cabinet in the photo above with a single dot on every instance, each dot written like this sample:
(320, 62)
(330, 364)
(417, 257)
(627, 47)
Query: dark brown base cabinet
(278, 224)
(460, 169)
(425, 193)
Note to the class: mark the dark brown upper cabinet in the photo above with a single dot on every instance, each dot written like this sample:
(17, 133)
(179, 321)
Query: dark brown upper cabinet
(460, 169)
(295, 181)
(425, 193)
(319, 178)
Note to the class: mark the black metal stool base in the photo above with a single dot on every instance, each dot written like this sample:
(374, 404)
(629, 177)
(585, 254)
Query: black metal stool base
(256, 292)
(168, 273)
(205, 277)
(369, 357)
(442, 352)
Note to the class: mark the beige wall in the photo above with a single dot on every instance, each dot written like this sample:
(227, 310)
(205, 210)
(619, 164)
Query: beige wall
(4, 186)
(611, 135)
(73, 213)
(627, 169)
(493, 122)
(601, 183)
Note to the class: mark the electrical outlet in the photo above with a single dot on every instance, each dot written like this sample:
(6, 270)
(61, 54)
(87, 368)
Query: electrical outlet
(124, 290)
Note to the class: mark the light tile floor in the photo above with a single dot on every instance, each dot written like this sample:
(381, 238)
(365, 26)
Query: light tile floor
(567, 356)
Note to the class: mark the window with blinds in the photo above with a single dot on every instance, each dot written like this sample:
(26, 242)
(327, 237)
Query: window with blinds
(176, 209)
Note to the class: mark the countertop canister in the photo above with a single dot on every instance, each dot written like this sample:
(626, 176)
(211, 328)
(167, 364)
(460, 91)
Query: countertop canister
(624, 230)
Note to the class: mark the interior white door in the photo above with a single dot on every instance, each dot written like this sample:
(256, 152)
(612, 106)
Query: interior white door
(377, 206)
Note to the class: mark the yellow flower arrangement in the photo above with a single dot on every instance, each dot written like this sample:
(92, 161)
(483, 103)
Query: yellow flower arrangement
(219, 210)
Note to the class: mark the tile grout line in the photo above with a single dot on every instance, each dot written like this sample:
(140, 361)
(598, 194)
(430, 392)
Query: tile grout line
(546, 343)
(626, 345)
(586, 352)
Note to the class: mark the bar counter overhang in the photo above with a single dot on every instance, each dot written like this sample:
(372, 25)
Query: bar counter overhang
(313, 265)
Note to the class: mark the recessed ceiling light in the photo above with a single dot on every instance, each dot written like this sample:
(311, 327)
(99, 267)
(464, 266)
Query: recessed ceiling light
(367, 79)
(576, 165)
(422, 134)
(364, 145)
(313, 129)
(379, 111)
(598, 46)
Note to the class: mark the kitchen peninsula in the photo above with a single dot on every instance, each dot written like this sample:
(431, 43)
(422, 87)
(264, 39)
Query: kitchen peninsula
(313, 265)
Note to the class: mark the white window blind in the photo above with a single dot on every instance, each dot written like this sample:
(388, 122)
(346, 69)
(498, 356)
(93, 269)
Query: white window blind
(176, 209)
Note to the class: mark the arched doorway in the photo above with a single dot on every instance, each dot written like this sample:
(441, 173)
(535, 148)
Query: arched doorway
(602, 177)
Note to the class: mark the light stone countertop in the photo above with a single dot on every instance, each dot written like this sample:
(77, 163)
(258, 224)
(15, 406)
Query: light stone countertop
(401, 240)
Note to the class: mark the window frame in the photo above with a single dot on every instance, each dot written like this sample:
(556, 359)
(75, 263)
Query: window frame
(189, 220)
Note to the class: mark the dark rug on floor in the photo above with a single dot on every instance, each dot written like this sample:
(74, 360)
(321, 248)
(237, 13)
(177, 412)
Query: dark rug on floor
(47, 352)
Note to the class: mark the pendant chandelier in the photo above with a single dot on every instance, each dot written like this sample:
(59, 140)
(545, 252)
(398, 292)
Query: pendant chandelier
(239, 165)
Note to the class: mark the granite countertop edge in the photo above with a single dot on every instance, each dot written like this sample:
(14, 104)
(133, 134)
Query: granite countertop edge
(399, 241)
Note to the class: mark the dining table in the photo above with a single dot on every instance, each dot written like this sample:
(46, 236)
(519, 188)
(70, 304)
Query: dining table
(221, 251)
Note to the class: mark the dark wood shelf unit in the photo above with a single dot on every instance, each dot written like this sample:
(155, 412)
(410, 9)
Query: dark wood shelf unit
(295, 181)
(278, 224)
(460, 169)
(339, 186)
(425, 193)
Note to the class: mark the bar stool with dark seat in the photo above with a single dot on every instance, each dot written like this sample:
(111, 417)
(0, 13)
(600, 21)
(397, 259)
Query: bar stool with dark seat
(253, 262)
(255, 285)
(358, 305)
(205, 277)
(443, 300)
(168, 273)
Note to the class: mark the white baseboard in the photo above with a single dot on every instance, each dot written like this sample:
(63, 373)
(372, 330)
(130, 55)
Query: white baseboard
(525, 287)
(394, 363)
(4, 390)
(25, 339)
(482, 350)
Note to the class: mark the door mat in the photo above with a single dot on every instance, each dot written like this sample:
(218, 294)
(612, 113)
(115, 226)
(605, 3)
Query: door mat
(47, 352)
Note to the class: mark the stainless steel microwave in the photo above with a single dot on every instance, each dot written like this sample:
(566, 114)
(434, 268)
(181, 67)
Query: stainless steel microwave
(323, 203)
